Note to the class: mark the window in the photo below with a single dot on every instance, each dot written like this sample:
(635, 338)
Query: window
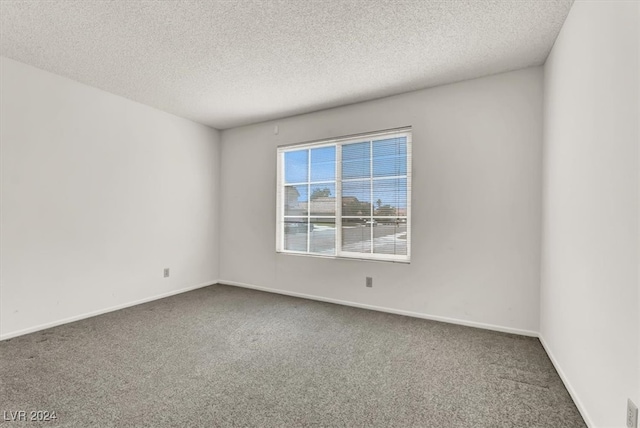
(347, 197)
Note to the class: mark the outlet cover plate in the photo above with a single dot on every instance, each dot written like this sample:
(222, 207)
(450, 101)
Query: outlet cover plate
(632, 414)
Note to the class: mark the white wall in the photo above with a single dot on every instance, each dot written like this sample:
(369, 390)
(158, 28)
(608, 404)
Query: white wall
(589, 294)
(99, 194)
(476, 204)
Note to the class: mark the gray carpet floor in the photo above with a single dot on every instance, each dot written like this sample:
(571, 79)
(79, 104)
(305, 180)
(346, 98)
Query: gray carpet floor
(226, 356)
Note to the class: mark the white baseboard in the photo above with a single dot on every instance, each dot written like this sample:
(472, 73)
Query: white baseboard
(385, 309)
(102, 311)
(567, 384)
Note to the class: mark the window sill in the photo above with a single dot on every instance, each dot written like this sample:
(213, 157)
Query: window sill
(348, 258)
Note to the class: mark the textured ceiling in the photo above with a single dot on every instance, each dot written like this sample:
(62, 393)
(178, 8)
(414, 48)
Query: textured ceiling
(229, 63)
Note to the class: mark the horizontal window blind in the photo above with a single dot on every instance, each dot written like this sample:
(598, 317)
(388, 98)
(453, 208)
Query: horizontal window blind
(346, 197)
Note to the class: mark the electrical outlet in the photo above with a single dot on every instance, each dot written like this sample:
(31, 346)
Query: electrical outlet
(632, 414)
(369, 281)
(166, 272)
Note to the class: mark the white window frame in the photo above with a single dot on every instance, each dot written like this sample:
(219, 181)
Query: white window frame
(337, 143)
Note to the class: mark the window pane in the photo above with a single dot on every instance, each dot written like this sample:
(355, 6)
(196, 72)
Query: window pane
(323, 164)
(296, 165)
(323, 199)
(356, 160)
(374, 197)
(295, 200)
(390, 196)
(356, 237)
(323, 236)
(390, 157)
(295, 234)
(356, 198)
(390, 236)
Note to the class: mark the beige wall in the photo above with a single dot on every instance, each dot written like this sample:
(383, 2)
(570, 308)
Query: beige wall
(476, 205)
(589, 295)
(99, 194)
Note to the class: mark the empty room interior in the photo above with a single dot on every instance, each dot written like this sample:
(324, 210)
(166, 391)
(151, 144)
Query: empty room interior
(340, 213)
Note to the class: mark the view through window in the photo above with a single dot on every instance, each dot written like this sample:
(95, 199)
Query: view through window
(347, 197)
